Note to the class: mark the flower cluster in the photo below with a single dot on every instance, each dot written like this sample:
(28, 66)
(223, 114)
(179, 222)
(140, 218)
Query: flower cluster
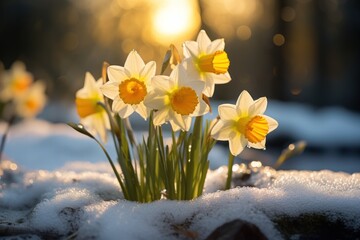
(181, 167)
(20, 95)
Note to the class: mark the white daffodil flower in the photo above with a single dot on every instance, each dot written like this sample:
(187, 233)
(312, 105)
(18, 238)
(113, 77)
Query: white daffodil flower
(92, 116)
(129, 85)
(207, 61)
(30, 103)
(15, 82)
(244, 124)
(177, 99)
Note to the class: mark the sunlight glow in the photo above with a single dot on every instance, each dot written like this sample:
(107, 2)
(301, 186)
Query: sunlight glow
(174, 19)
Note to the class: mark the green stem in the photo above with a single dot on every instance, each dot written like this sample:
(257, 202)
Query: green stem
(4, 137)
(130, 132)
(113, 126)
(193, 165)
(113, 168)
(162, 156)
(229, 175)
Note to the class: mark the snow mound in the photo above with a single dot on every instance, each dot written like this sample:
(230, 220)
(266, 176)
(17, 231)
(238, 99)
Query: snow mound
(88, 204)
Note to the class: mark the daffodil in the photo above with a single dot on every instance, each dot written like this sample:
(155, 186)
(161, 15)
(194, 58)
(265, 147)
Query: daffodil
(176, 99)
(92, 115)
(207, 61)
(30, 103)
(244, 124)
(129, 85)
(15, 82)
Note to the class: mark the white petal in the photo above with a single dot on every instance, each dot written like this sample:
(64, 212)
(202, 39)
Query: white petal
(87, 90)
(161, 116)
(148, 72)
(100, 127)
(237, 145)
(244, 102)
(259, 145)
(18, 67)
(211, 79)
(134, 63)
(178, 119)
(99, 83)
(203, 41)
(110, 89)
(180, 122)
(191, 49)
(117, 104)
(273, 124)
(219, 125)
(186, 52)
(155, 101)
(174, 127)
(197, 86)
(223, 130)
(89, 124)
(201, 109)
(82, 93)
(180, 76)
(105, 119)
(187, 121)
(216, 45)
(220, 78)
(258, 107)
(174, 75)
(191, 70)
(209, 88)
(95, 124)
(89, 81)
(124, 110)
(117, 73)
(161, 82)
(227, 112)
(142, 110)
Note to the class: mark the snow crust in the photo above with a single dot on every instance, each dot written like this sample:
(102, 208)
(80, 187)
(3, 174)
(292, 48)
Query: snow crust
(91, 202)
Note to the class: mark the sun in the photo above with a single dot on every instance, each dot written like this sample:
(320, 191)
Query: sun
(175, 19)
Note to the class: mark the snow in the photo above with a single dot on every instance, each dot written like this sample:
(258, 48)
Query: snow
(90, 202)
(61, 184)
(330, 126)
(33, 142)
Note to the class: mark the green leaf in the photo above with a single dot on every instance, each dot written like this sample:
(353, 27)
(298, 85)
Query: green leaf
(80, 128)
(229, 175)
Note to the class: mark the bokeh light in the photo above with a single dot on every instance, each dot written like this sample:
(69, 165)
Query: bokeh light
(279, 39)
(225, 15)
(288, 14)
(243, 32)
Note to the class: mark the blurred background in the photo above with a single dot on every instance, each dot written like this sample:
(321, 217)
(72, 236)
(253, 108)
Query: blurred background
(303, 52)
